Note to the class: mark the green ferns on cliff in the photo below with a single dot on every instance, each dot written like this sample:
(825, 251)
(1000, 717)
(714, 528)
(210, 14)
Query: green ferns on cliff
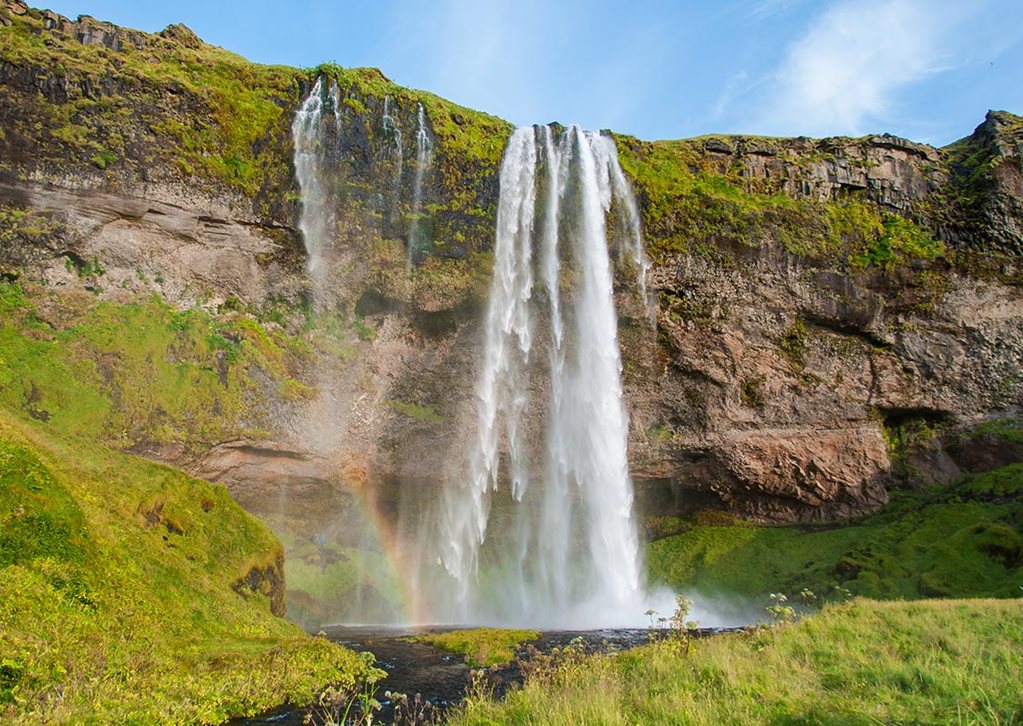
(134, 593)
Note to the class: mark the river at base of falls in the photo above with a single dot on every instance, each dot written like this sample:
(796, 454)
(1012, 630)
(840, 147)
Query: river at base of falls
(442, 678)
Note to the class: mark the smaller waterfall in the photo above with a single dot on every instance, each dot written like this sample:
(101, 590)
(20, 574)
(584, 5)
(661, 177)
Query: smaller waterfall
(391, 128)
(615, 186)
(314, 133)
(424, 155)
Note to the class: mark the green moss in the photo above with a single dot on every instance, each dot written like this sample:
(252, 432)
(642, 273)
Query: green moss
(793, 343)
(418, 411)
(1005, 429)
(1004, 482)
(690, 203)
(901, 241)
(751, 391)
(80, 369)
(221, 111)
(923, 544)
(120, 594)
(40, 518)
(103, 159)
(481, 646)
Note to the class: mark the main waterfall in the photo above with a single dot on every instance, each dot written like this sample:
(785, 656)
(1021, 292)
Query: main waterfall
(566, 552)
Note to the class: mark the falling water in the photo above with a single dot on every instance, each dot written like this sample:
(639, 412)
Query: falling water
(570, 556)
(614, 185)
(391, 128)
(424, 155)
(313, 137)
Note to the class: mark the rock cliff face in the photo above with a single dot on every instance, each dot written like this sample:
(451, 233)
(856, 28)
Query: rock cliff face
(831, 313)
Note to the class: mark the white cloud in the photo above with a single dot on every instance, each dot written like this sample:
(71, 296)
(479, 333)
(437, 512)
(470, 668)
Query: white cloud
(852, 61)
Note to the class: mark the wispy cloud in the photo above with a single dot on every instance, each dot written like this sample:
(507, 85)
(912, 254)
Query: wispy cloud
(763, 9)
(851, 62)
(737, 85)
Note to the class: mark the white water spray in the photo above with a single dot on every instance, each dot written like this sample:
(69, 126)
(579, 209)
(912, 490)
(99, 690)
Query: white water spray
(570, 557)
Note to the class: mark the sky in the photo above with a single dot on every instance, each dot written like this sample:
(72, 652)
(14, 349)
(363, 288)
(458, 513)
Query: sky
(924, 69)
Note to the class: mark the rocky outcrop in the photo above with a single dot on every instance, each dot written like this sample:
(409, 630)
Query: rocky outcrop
(893, 172)
(776, 397)
(187, 248)
(274, 481)
(987, 185)
(773, 382)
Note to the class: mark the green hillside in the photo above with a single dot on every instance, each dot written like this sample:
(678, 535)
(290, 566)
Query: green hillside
(134, 593)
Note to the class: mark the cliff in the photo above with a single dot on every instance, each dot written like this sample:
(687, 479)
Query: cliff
(832, 314)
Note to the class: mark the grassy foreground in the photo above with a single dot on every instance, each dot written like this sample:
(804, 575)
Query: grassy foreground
(132, 593)
(864, 662)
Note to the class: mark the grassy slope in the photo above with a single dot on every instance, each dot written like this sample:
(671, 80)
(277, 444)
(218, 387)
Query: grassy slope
(959, 541)
(118, 604)
(861, 663)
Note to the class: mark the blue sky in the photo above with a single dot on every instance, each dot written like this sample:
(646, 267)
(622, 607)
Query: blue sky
(925, 69)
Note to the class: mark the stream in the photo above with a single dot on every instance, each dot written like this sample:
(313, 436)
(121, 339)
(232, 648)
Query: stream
(442, 678)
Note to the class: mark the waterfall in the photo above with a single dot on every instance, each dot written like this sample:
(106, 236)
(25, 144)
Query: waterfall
(314, 135)
(391, 127)
(568, 556)
(424, 155)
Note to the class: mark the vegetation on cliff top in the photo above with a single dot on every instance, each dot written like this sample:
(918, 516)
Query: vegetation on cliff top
(134, 593)
(691, 206)
(197, 108)
(956, 661)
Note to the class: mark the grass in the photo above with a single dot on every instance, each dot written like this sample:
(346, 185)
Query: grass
(961, 541)
(422, 412)
(865, 662)
(134, 593)
(327, 581)
(482, 647)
